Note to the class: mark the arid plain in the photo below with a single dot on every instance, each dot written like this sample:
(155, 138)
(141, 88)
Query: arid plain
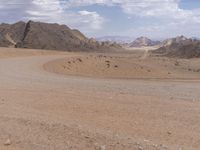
(98, 101)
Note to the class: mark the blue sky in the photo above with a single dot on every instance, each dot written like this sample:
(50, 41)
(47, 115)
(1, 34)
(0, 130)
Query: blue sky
(157, 19)
(189, 4)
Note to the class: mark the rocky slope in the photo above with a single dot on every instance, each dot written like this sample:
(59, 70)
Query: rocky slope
(143, 41)
(177, 39)
(11, 34)
(180, 47)
(38, 35)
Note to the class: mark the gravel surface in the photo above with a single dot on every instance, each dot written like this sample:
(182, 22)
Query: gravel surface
(42, 110)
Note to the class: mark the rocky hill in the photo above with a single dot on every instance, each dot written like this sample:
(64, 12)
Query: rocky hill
(143, 41)
(177, 39)
(181, 47)
(38, 35)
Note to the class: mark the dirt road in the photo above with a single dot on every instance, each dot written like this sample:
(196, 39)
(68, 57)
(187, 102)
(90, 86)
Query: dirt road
(45, 111)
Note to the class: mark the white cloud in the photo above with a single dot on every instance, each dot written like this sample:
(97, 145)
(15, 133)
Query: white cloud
(143, 8)
(77, 3)
(49, 11)
(88, 17)
(167, 14)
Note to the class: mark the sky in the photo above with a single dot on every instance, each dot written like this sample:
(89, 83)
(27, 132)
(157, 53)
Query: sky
(156, 19)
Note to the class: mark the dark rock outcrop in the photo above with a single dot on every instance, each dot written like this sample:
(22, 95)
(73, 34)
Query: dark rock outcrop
(180, 47)
(38, 35)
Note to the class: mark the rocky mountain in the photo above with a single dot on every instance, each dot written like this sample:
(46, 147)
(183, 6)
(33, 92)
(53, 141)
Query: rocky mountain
(11, 34)
(173, 40)
(181, 47)
(143, 41)
(38, 35)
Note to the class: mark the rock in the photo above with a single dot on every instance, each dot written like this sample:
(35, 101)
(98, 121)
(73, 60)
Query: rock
(102, 147)
(7, 142)
(87, 137)
(154, 145)
(146, 141)
(140, 148)
(169, 133)
(38, 35)
(163, 146)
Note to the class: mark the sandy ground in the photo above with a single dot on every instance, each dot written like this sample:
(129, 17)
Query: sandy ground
(12, 52)
(44, 110)
(126, 66)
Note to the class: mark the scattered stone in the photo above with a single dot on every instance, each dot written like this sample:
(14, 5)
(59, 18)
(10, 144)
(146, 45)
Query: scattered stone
(140, 148)
(137, 143)
(154, 145)
(169, 133)
(103, 147)
(80, 60)
(116, 134)
(197, 70)
(163, 146)
(176, 63)
(146, 141)
(7, 142)
(107, 61)
(87, 137)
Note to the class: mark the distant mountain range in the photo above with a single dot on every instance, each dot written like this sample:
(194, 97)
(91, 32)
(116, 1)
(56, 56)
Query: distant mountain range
(195, 38)
(117, 39)
(38, 35)
(128, 41)
(143, 41)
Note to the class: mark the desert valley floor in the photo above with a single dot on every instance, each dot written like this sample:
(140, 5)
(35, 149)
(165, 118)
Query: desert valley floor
(76, 101)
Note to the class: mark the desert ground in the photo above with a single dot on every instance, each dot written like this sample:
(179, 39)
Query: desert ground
(98, 101)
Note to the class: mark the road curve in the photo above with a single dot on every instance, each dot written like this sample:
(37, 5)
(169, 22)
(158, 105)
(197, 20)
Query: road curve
(28, 72)
(31, 97)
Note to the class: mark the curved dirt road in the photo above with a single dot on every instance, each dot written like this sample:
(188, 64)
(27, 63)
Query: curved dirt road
(43, 110)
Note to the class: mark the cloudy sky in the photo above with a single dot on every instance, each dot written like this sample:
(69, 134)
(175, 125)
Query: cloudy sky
(156, 19)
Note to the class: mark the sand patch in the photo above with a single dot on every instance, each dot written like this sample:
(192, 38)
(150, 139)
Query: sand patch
(129, 66)
(19, 52)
